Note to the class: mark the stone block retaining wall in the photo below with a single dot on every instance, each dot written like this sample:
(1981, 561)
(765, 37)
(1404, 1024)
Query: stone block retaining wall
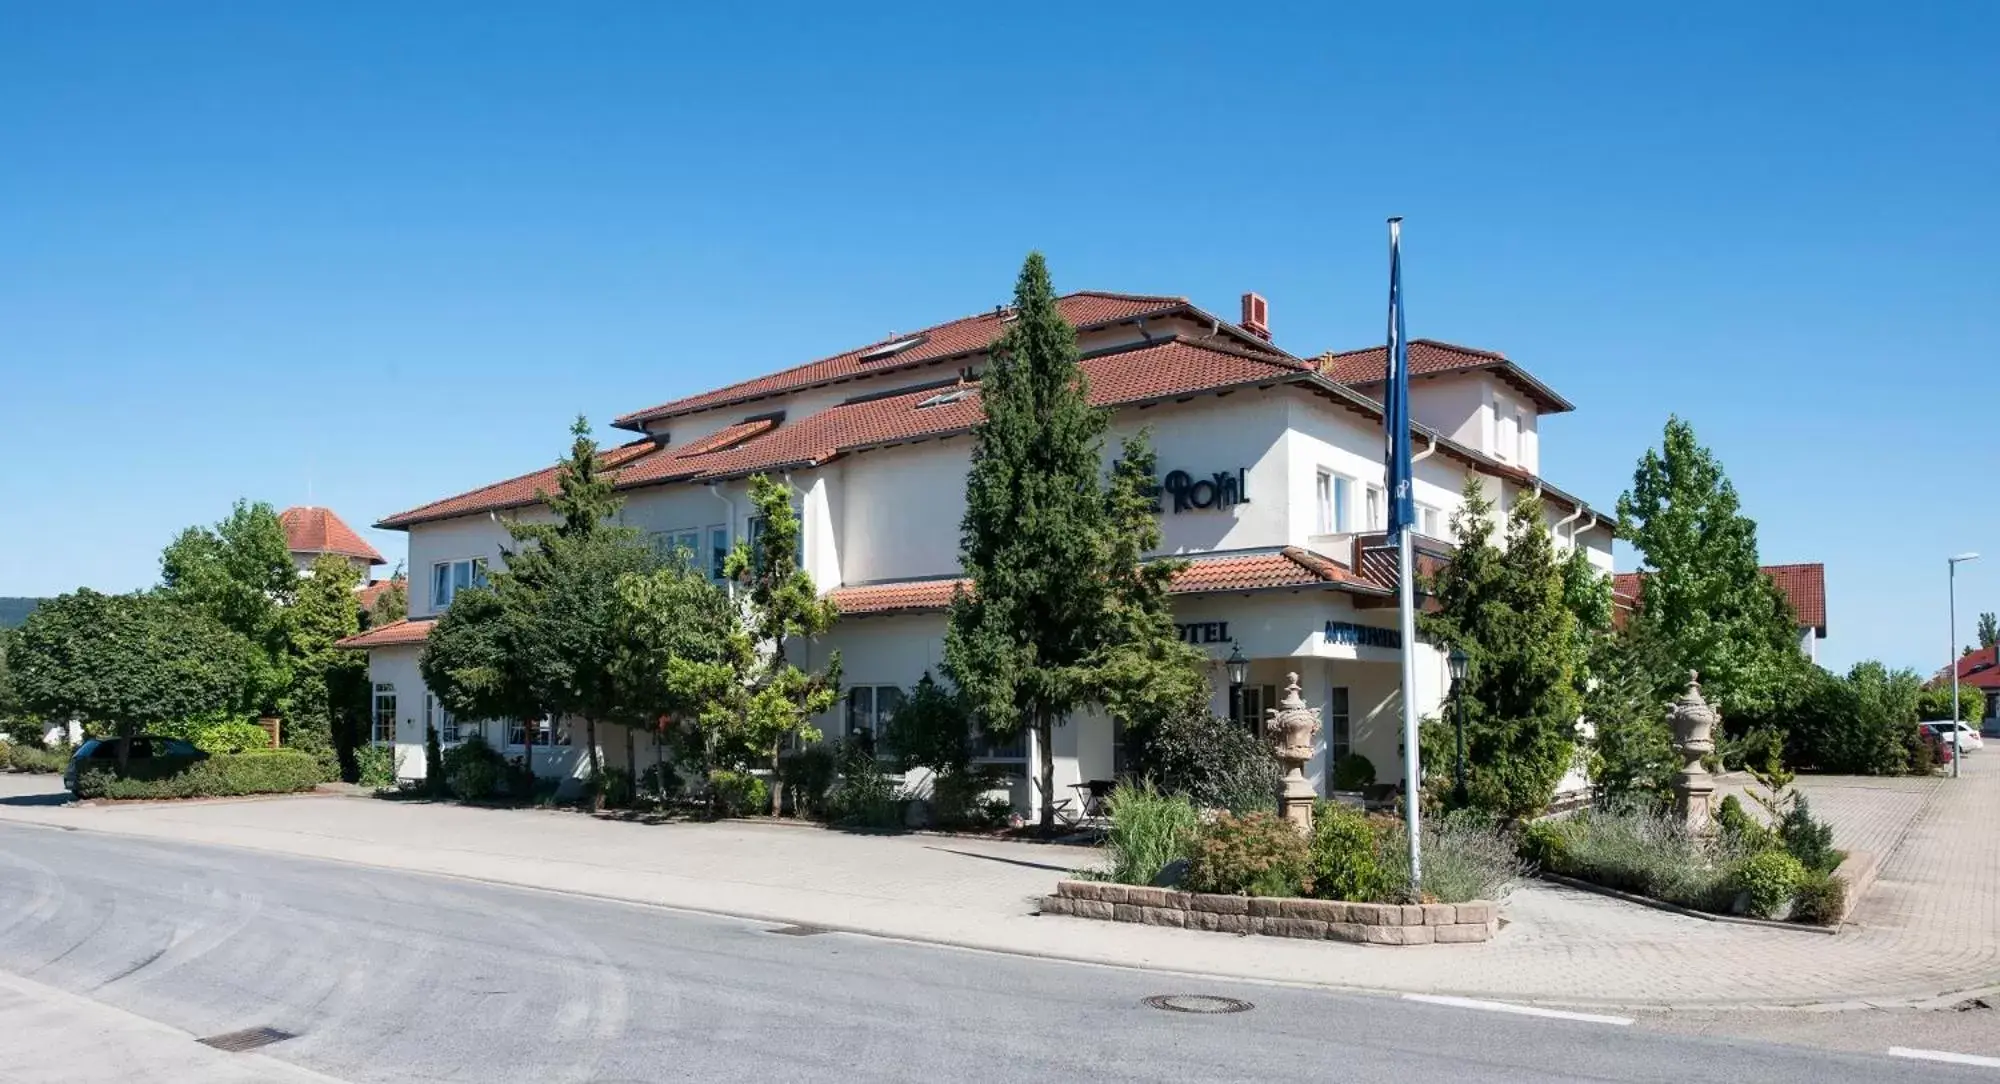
(1317, 920)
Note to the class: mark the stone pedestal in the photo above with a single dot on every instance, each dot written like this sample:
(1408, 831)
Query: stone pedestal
(1292, 726)
(1693, 723)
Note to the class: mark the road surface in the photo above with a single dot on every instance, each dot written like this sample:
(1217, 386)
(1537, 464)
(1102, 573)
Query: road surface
(389, 976)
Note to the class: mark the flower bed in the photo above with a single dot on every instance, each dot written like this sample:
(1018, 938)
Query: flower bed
(1309, 919)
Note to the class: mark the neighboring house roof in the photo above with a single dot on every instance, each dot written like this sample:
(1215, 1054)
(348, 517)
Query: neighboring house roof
(367, 594)
(1428, 357)
(410, 630)
(1803, 585)
(318, 530)
(965, 335)
(1977, 670)
(1289, 568)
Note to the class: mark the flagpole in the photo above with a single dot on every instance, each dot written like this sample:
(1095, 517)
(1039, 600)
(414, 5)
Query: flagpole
(1396, 419)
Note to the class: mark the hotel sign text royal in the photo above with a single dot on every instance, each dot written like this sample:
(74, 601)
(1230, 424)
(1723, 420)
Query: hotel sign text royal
(1221, 490)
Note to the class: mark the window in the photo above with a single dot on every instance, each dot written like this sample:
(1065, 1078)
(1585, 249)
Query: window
(1251, 700)
(673, 544)
(436, 716)
(385, 715)
(1376, 503)
(757, 528)
(1339, 731)
(869, 709)
(1334, 500)
(718, 552)
(1428, 521)
(448, 578)
(545, 733)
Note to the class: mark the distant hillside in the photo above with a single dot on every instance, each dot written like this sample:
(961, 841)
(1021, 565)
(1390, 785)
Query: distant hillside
(13, 611)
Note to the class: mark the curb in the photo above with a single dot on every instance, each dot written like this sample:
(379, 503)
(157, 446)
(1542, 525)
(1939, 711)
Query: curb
(1689, 912)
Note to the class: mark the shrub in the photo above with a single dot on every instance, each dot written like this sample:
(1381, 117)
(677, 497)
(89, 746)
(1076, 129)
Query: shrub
(474, 770)
(435, 780)
(1545, 847)
(1148, 831)
(1343, 863)
(1467, 856)
(1215, 763)
(734, 794)
(1765, 882)
(864, 797)
(268, 772)
(377, 765)
(1761, 748)
(1820, 900)
(27, 758)
(662, 781)
(231, 737)
(613, 788)
(1741, 829)
(809, 774)
(960, 799)
(1809, 840)
(1256, 854)
(1353, 772)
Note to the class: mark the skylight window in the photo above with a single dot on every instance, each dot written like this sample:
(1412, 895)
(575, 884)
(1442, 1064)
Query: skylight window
(891, 349)
(943, 397)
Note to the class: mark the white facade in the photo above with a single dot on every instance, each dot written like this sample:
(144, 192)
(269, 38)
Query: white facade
(891, 514)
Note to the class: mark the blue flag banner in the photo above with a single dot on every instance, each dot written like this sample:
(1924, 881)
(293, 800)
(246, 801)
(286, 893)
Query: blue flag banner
(1396, 415)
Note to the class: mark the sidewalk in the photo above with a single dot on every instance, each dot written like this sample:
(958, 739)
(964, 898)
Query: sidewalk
(1927, 929)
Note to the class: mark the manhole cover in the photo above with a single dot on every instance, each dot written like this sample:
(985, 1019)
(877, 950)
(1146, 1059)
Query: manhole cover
(1201, 1003)
(237, 1042)
(797, 931)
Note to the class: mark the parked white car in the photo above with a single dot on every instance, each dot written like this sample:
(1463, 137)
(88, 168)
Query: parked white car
(1968, 737)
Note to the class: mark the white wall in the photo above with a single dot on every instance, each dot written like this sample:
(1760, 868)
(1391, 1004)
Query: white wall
(453, 540)
(900, 510)
(1205, 437)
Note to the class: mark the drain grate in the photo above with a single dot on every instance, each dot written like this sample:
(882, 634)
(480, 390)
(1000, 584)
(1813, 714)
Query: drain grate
(1198, 1003)
(798, 931)
(236, 1042)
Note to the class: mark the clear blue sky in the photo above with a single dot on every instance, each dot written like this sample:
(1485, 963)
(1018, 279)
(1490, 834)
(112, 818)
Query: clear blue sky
(376, 254)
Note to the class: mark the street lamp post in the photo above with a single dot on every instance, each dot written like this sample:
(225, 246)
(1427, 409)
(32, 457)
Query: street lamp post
(1239, 672)
(1459, 663)
(1952, 563)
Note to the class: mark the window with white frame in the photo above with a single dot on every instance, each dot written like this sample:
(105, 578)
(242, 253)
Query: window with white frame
(1377, 503)
(1339, 731)
(1429, 521)
(542, 731)
(438, 717)
(448, 578)
(718, 551)
(869, 709)
(673, 544)
(758, 524)
(1334, 500)
(1251, 700)
(384, 715)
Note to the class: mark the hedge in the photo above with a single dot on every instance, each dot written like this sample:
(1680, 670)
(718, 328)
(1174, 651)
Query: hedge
(277, 772)
(27, 758)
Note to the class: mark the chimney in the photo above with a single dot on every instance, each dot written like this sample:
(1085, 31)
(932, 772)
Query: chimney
(1257, 316)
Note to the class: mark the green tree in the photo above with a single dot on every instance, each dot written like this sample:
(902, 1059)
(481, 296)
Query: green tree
(123, 663)
(1989, 629)
(1020, 643)
(678, 636)
(240, 572)
(468, 661)
(391, 604)
(1143, 672)
(1632, 752)
(329, 691)
(775, 700)
(1934, 702)
(1705, 594)
(1506, 609)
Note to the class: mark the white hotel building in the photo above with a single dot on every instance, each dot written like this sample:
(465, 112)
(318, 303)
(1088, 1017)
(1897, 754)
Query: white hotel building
(1272, 489)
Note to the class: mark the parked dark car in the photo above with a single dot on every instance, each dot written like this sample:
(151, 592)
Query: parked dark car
(104, 752)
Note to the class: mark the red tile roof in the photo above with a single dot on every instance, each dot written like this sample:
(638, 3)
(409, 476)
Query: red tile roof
(318, 530)
(394, 634)
(1803, 585)
(1428, 357)
(1087, 308)
(366, 594)
(1166, 369)
(1290, 567)
(1977, 670)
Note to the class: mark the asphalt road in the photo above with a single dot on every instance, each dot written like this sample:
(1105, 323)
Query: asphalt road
(388, 976)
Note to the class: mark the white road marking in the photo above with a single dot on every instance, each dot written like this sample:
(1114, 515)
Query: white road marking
(1518, 1010)
(1945, 1055)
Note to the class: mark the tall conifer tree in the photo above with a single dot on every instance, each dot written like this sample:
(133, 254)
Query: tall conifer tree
(1019, 644)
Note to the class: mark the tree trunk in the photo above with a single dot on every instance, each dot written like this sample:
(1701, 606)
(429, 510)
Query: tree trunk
(1045, 737)
(632, 763)
(595, 791)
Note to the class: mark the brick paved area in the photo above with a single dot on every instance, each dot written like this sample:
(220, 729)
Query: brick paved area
(1931, 926)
